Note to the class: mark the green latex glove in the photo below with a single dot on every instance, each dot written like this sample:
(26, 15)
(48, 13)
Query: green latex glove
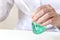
(37, 29)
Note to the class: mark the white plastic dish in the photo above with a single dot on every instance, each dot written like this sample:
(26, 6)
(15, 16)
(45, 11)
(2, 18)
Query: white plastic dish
(27, 35)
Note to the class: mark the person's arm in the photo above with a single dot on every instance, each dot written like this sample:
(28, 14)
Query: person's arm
(5, 6)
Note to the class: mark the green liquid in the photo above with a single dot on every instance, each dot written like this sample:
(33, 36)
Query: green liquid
(37, 29)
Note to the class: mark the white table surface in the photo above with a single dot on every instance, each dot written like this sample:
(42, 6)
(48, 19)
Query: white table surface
(27, 35)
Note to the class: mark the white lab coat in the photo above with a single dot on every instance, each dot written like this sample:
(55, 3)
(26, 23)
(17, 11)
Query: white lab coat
(25, 7)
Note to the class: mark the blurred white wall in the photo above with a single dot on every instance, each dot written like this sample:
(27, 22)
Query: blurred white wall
(11, 21)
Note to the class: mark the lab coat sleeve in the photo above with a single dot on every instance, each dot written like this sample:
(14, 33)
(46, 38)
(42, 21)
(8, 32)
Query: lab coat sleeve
(5, 6)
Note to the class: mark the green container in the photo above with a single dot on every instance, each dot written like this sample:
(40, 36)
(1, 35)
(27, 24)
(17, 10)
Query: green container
(37, 28)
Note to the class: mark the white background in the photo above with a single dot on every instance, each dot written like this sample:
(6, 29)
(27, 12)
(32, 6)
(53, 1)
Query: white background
(11, 20)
